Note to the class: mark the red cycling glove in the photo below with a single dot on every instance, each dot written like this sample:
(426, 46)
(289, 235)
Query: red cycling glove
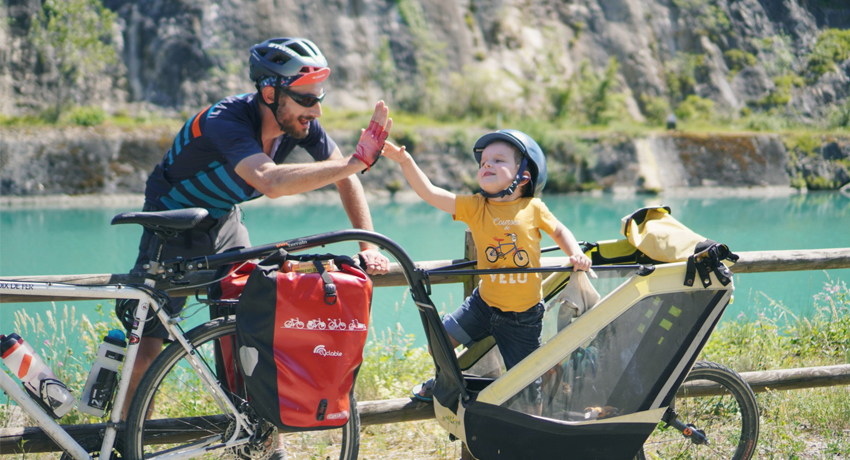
(371, 143)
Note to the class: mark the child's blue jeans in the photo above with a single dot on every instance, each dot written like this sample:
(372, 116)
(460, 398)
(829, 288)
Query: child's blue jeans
(516, 333)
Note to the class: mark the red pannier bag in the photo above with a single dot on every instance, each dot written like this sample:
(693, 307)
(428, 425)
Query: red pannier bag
(300, 339)
(224, 295)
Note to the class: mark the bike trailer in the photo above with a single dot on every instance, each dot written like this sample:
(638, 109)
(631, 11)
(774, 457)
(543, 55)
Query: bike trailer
(605, 380)
(300, 338)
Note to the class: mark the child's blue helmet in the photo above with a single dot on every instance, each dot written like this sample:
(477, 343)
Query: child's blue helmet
(533, 159)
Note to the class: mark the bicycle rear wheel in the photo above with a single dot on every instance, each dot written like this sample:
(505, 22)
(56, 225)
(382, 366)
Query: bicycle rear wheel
(173, 411)
(729, 419)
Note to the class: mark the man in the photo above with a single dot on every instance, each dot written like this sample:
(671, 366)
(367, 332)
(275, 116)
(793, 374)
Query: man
(233, 152)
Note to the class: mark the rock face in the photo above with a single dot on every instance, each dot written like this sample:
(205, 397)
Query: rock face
(79, 160)
(114, 161)
(508, 56)
(722, 160)
(183, 54)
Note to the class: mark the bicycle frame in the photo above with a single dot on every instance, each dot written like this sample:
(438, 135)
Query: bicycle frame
(172, 270)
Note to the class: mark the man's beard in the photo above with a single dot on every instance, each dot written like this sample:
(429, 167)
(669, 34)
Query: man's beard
(288, 123)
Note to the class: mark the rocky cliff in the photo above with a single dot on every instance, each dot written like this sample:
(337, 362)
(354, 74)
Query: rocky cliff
(423, 54)
(532, 58)
(116, 161)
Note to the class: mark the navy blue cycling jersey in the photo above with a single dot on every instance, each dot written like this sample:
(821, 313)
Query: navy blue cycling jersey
(198, 170)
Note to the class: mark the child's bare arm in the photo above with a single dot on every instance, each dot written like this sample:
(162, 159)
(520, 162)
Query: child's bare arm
(394, 152)
(435, 196)
(567, 242)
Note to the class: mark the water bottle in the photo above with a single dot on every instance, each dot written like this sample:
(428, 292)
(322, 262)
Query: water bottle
(38, 379)
(103, 377)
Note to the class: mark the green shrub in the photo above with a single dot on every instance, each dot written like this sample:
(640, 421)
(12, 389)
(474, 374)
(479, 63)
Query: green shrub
(601, 103)
(779, 339)
(821, 183)
(807, 144)
(764, 121)
(655, 109)
(682, 73)
(476, 92)
(84, 116)
(695, 107)
(798, 182)
(26, 120)
(74, 37)
(832, 46)
(738, 59)
(391, 366)
(780, 96)
(839, 117)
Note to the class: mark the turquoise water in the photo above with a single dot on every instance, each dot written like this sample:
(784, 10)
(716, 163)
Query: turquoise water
(43, 241)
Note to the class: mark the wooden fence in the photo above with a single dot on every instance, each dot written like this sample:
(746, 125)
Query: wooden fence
(749, 262)
(403, 410)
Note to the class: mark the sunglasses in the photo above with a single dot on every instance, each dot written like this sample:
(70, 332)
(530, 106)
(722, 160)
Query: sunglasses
(304, 100)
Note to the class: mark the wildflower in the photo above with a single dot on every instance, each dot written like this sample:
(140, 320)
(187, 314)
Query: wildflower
(46, 342)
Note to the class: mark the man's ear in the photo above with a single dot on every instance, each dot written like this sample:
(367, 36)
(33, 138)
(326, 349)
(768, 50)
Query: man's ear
(268, 94)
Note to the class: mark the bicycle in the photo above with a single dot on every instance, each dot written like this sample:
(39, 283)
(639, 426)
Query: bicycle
(494, 253)
(161, 421)
(150, 300)
(221, 420)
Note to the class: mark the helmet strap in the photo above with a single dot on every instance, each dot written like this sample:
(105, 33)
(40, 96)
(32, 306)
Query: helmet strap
(273, 105)
(511, 188)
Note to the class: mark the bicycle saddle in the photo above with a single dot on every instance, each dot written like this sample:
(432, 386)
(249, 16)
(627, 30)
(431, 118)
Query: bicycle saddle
(173, 220)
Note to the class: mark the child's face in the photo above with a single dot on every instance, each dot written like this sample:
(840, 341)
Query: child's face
(498, 167)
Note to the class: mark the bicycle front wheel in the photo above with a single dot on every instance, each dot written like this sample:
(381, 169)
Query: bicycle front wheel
(173, 411)
(729, 419)
(491, 253)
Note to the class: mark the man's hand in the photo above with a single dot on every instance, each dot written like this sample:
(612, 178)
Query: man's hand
(372, 138)
(374, 262)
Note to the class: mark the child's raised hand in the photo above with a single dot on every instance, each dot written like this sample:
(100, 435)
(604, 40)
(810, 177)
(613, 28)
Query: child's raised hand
(580, 262)
(393, 152)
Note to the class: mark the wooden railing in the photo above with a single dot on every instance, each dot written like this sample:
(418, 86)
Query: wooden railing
(749, 262)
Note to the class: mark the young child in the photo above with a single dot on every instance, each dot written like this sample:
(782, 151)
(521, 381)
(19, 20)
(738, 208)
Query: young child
(505, 218)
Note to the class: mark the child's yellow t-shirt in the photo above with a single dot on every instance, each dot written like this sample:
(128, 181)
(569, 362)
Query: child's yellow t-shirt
(493, 225)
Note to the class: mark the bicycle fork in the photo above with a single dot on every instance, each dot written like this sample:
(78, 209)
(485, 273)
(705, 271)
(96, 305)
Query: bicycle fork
(671, 419)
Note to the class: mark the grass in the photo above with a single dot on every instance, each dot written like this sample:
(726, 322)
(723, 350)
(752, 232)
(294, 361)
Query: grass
(797, 424)
(351, 120)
